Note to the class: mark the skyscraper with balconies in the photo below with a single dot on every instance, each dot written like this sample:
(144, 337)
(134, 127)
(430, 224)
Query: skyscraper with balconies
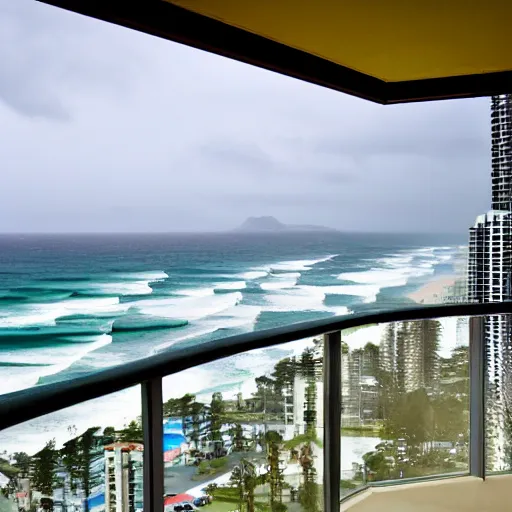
(489, 278)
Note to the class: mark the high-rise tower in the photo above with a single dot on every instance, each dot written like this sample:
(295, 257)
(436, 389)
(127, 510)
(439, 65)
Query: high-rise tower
(489, 280)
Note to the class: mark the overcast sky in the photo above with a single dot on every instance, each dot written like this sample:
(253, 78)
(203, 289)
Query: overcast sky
(106, 129)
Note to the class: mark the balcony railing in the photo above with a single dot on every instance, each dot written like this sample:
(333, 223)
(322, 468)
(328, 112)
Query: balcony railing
(412, 377)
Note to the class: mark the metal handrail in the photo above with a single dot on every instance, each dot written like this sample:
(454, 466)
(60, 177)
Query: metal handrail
(24, 405)
(31, 403)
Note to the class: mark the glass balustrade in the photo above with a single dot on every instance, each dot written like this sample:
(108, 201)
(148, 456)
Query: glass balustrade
(246, 432)
(85, 457)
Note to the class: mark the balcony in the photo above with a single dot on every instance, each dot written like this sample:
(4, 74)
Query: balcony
(401, 422)
(394, 421)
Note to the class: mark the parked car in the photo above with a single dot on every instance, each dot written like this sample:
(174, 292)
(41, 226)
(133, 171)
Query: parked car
(184, 506)
(201, 501)
(205, 494)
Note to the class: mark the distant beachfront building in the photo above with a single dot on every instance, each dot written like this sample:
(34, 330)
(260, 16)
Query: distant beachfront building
(489, 277)
(359, 385)
(123, 477)
(408, 355)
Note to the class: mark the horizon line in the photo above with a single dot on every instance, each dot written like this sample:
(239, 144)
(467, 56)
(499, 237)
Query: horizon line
(333, 231)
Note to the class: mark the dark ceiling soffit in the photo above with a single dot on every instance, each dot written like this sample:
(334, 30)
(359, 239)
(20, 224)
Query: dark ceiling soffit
(162, 19)
(468, 86)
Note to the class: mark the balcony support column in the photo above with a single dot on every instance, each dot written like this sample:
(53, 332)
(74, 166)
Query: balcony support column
(153, 461)
(477, 396)
(332, 421)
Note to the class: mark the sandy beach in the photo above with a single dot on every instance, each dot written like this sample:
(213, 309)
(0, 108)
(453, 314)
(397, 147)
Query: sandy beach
(432, 293)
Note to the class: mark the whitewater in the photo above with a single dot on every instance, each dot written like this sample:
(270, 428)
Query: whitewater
(70, 306)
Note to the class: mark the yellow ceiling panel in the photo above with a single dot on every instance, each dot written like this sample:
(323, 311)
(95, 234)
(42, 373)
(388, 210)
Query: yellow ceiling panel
(394, 40)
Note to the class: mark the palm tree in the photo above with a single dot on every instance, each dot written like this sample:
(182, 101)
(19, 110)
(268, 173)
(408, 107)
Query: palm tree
(245, 479)
(275, 474)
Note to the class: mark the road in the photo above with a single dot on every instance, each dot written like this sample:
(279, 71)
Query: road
(178, 479)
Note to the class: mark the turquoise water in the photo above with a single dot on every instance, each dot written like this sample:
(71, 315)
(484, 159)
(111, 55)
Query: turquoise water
(70, 305)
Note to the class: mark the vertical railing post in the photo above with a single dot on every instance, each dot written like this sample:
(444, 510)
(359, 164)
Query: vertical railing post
(477, 396)
(152, 424)
(332, 421)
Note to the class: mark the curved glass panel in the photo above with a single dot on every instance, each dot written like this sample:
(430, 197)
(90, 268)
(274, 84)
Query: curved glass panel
(88, 457)
(405, 398)
(247, 431)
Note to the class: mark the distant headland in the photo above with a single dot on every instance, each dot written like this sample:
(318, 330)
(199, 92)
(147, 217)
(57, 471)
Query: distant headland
(272, 225)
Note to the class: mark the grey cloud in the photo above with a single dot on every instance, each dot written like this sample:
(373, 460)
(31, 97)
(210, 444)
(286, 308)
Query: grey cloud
(46, 53)
(161, 137)
(440, 132)
(249, 156)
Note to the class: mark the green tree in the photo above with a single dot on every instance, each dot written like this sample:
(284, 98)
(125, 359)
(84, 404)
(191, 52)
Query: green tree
(412, 418)
(377, 465)
(22, 463)
(217, 409)
(78, 454)
(450, 418)
(238, 437)
(43, 465)
(284, 373)
(197, 412)
(308, 494)
(244, 478)
(268, 396)
(180, 407)
(310, 369)
(109, 435)
(274, 474)
(132, 432)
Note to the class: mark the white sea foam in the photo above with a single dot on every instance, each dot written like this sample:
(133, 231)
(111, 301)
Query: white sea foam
(121, 288)
(387, 277)
(191, 333)
(188, 308)
(367, 291)
(303, 298)
(150, 275)
(236, 317)
(196, 292)
(254, 274)
(46, 314)
(392, 271)
(135, 284)
(116, 410)
(52, 360)
(285, 266)
(234, 285)
(281, 281)
(300, 265)
(297, 299)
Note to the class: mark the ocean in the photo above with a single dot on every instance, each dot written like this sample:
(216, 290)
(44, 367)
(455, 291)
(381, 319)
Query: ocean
(71, 305)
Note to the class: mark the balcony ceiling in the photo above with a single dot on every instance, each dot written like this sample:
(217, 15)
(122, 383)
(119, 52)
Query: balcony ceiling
(386, 51)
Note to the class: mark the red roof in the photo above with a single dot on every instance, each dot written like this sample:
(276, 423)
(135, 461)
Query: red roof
(178, 499)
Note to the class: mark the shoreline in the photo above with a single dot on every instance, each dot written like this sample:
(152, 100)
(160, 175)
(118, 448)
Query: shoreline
(433, 291)
(121, 410)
